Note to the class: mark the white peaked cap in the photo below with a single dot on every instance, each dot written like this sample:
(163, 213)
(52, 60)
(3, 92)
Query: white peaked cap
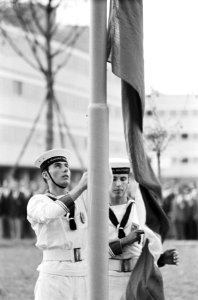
(119, 164)
(51, 156)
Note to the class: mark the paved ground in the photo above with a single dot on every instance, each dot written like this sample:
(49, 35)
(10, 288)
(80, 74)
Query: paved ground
(19, 260)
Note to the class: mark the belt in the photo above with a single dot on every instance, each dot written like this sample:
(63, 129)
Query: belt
(122, 265)
(72, 255)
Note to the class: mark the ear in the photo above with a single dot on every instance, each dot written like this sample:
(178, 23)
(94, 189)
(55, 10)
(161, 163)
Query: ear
(45, 175)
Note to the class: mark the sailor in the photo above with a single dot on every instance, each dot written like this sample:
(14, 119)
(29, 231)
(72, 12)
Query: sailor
(59, 220)
(126, 229)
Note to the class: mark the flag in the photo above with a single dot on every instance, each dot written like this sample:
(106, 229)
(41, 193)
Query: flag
(125, 53)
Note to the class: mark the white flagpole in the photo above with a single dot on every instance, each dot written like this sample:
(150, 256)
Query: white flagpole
(98, 165)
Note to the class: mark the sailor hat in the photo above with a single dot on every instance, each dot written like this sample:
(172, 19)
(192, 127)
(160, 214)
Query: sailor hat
(120, 165)
(49, 157)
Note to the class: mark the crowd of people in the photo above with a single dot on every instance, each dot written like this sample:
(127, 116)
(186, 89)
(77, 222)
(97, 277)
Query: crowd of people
(180, 202)
(14, 196)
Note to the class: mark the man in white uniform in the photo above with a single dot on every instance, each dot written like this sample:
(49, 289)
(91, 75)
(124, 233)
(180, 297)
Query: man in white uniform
(124, 230)
(59, 220)
(125, 242)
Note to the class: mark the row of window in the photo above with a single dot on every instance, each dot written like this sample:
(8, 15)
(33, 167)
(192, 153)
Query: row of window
(182, 136)
(172, 113)
(187, 136)
(116, 111)
(185, 160)
(18, 88)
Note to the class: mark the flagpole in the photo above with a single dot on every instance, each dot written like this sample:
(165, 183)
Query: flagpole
(98, 148)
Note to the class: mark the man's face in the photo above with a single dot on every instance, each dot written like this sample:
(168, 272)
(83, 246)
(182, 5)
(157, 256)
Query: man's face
(60, 173)
(119, 186)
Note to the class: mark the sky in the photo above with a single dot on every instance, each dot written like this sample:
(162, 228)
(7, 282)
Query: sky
(170, 43)
(171, 46)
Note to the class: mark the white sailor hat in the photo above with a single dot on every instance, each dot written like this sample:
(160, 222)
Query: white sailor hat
(119, 165)
(49, 157)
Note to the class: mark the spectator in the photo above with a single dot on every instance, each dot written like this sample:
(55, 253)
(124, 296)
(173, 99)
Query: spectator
(26, 192)
(188, 204)
(178, 216)
(14, 212)
(5, 209)
(195, 211)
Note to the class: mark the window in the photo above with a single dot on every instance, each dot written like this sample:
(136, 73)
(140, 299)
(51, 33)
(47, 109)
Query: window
(174, 160)
(195, 160)
(185, 160)
(149, 113)
(195, 112)
(161, 112)
(17, 87)
(184, 136)
(184, 112)
(173, 112)
(195, 135)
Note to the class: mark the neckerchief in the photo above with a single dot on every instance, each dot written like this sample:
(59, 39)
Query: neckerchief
(120, 226)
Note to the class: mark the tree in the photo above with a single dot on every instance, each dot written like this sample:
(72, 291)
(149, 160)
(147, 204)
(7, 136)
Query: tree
(157, 135)
(50, 46)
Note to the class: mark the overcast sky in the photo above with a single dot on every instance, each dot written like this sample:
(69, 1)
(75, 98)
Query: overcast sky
(170, 43)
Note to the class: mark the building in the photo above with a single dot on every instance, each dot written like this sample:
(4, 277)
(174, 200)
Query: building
(178, 114)
(23, 112)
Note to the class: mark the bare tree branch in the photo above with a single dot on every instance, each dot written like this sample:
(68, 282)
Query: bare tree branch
(73, 142)
(17, 50)
(57, 5)
(40, 38)
(36, 120)
(60, 126)
(33, 44)
(67, 40)
(62, 64)
(68, 55)
(35, 18)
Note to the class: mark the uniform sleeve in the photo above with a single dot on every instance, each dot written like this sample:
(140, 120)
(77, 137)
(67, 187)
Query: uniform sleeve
(42, 209)
(161, 261)
(115, 248)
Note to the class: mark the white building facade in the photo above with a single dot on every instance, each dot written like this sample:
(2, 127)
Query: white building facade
(179, 114)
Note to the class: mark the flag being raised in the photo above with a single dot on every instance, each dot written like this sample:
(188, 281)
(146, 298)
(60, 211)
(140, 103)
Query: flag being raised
(125, 53)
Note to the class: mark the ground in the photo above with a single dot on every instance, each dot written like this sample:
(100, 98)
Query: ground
(180, 283)
(19, 260)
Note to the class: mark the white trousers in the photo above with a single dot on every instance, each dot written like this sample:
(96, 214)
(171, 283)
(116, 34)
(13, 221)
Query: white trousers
(117, 286)
(56, 287)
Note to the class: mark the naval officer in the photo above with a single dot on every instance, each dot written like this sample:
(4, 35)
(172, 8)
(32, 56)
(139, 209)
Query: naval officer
(59, 220)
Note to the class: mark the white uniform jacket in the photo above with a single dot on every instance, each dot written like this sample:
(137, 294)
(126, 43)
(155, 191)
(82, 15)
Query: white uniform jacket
(50, 221)
(132, 251)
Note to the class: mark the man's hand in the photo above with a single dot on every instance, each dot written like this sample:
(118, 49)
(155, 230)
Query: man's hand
(132, 237)
(169, 257)
(83, 181)
(80, 187)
